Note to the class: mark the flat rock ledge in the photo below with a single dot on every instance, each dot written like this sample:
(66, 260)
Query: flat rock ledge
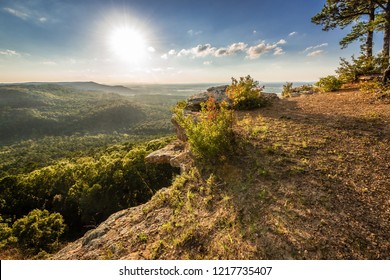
(174, 154)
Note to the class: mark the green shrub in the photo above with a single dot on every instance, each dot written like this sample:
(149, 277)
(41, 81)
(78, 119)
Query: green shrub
(245, 93)
(5, 234)
(209, 134)
(375, 89)
(349, 71)
(39, 230)
(287, 89)
(329, 83)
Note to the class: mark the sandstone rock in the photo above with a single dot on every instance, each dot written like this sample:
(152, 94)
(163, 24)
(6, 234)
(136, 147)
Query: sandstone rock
(270, 97)
(174, 154)
(219, 93)
(180, 132)
(167, 153)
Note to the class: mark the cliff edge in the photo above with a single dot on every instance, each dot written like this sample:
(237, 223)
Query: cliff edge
(308, 179)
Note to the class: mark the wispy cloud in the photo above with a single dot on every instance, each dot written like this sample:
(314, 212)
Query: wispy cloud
(194, 33)
(207, 62)
(316, 53)
(294, 33)
(17, 13)
(315, 47)
(9, 53)
(26, 15)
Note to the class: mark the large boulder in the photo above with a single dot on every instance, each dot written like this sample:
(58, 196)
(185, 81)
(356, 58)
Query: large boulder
(174, 154)
(218, 93)
(165, 154)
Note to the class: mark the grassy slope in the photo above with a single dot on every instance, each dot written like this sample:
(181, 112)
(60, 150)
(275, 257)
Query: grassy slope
(309, 180)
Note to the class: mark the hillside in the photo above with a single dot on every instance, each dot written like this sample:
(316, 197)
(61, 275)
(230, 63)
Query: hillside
(86, 86)
(38, 110)
(308, 179)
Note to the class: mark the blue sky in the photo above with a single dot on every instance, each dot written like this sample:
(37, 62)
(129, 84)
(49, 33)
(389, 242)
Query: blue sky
(165, 41)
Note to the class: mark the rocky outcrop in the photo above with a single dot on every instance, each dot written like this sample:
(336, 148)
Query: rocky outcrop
(174, 154)
(218, 93)
(121, 236)
(270, 97)
(180, 132)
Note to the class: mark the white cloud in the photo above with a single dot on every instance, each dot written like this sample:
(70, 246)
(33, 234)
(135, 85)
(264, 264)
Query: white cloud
(151, 49)
(278, 51)
(203, 50)
(208, 62)
(184, 52)
(17, 13)
(26, 15)
(254, 31)
(236, 47)
(315, 47)
(260, 49)
(170, 53)
(233, 49)
(208, 50)
(9, 53)
(293, 34)
(198, 51)
(194, 33)
(316, 53)
(221, 52)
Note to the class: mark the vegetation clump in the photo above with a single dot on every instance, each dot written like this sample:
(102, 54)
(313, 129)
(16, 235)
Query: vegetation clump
(350, 71)
(39, 230)
(84, 191)
(290, 91)
(376, 90)
(210, 133)
(329, 83)
(246, 93)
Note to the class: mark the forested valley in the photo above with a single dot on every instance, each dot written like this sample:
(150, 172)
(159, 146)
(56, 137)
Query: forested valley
(71, 156)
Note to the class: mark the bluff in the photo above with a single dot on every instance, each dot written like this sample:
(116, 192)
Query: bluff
(308, 179)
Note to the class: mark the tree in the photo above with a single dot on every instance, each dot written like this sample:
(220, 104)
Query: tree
(384, 24)
(39, 230)
(342, 13)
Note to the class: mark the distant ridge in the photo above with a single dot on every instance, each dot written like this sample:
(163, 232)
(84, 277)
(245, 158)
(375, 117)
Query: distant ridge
(86, 86)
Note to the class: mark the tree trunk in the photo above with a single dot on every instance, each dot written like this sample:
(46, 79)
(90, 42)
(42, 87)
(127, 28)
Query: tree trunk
(386, 36)
(370, 34)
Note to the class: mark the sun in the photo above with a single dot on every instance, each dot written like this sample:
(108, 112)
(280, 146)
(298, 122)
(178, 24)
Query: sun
(127, 44)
